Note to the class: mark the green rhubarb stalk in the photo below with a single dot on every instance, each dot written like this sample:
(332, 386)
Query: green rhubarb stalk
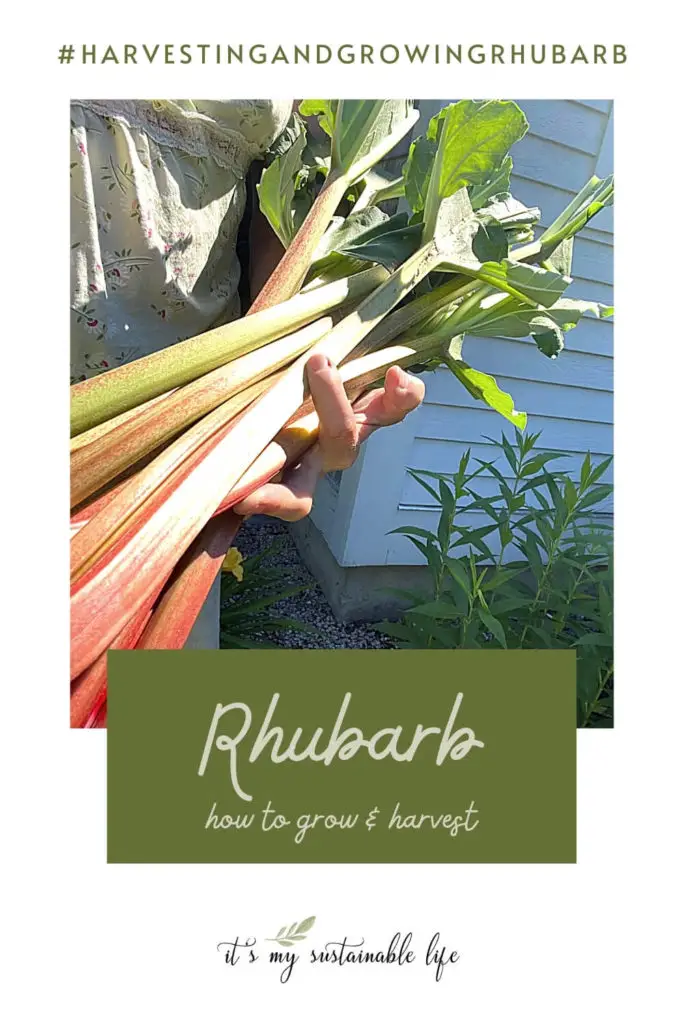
(416, 312)
(362, 133)
(109, 455)
(100, 398)
(378, 189)
(81, 440)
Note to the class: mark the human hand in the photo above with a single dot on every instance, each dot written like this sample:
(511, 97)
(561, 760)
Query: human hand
(343, 428)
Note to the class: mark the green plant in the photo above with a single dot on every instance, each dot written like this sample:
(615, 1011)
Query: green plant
(247, 601)
(536, 573)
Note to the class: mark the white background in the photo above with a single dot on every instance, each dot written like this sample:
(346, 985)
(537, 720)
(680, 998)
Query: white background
(91, 942)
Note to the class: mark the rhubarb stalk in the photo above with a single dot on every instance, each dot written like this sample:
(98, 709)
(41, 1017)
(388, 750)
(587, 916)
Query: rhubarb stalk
(100, 398)
(107, 456)
(192, 579)
(89, 690)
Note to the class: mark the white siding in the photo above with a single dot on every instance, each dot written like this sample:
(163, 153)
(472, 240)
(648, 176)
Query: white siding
(569, 399)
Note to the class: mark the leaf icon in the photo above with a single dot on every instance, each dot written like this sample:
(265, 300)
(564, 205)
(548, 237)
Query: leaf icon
(288, 936)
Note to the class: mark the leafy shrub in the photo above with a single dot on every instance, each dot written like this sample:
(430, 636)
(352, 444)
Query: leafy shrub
(548, 584)
(247, 617)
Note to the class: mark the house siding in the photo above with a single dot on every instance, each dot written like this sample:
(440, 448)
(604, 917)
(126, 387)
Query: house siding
(569, 398)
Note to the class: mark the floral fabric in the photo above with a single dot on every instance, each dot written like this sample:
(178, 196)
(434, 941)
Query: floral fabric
(157, 195)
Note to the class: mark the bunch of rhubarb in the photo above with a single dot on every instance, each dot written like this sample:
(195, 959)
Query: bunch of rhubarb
(163, 447)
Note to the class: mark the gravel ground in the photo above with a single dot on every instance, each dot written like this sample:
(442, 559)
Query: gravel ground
(309, 606)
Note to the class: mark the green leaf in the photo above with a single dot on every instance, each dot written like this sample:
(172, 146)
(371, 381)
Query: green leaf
(459, 574)
(509, 212)
(496, 183)
(416, 531)
(594, 497)
(241, 608)
(599, 470)
(398, 631)
(344, 231)
(418, 477)
(295, 933)
(548, 336)
(524, 281)
(539, 461)
(324, 109)
(561, 259)
(390, 248)
(366, 130)
(293, 624)
(276, 191)
(544, 635)
(585, 471)
(436, 610)
(482, 386)
(417, 170)
(594, 640)
(570, 495)
(510, 604)
(471, 138)
(594, 196)
(490, 244)
(492, 624)
(519, 322)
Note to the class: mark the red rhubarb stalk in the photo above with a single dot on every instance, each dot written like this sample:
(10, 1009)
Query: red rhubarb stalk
(89, 690)
(188, 587)
(290, 272)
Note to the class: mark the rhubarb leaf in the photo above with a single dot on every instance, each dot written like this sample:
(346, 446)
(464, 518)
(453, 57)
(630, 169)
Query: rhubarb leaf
(323, 109)
(490, 244)
(482, 386)
(455, 227)
(522, 280)
(380, 189)
(548, 336)
(291, 132)
(417, 170)
(362, 131)
(365, 131)
(464, 144)
(596, 194)
(517, 323)
(509, 211)
(499, 181)
(276, 191)
(389, 248)
(541, 286)
(343, 232)
(561, 258)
